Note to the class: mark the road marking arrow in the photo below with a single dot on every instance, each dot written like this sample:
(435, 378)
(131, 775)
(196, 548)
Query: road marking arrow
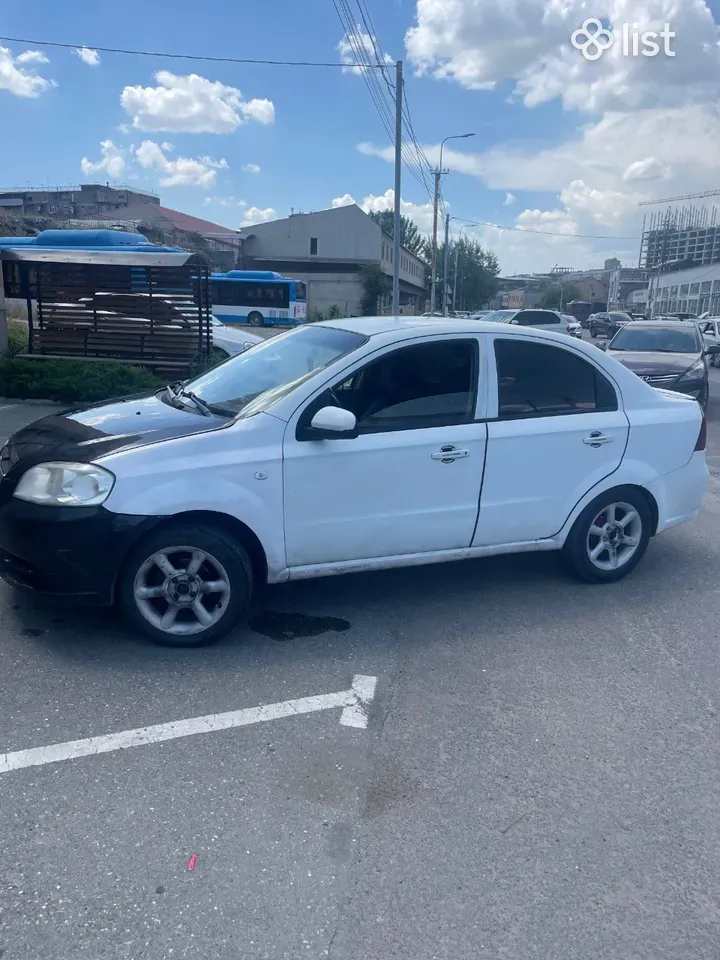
(355, 703)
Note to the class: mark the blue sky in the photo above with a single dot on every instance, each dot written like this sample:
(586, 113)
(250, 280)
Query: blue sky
(577, 145)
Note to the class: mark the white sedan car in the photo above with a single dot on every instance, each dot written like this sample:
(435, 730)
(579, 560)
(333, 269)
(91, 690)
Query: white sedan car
(343, 446)
(232, 339)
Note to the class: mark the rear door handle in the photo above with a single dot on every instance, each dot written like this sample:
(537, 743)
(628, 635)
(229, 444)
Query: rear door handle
(597, 439)
(449, 453)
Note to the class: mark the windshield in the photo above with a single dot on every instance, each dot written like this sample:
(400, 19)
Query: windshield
(669, 339)
(500, 316)
(254, 380)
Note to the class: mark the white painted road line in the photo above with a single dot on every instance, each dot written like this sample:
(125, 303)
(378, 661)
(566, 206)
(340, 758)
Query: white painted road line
(355, 703)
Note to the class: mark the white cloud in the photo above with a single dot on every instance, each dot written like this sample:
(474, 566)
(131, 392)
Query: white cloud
(255, 215)
(32, 56)
(250, 168)
(112, 161)
(365, 45)
(223, 202)
(88, 56)
(547, 221)
(647, 169)
(479, 45)
(345, 201)
(18, 80)
(421, 213)
(192, 104)
(181, 172)
(510, 198)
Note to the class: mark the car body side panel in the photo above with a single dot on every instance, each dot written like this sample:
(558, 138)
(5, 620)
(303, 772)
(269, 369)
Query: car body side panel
(237, 473)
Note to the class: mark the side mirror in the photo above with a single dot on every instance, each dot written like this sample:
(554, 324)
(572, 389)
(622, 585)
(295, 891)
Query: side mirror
(602, 346)
(712, 349)
(334, 423)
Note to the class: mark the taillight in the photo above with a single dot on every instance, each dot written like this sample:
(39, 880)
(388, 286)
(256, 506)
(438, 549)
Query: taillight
(702, 436)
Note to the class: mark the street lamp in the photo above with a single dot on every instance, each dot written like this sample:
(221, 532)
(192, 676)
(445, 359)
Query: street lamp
(438, 174)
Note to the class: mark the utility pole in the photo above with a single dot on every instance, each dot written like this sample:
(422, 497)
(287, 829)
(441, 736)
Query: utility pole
(445, 265)
(433, 268)
(398, 175)
(436, 200)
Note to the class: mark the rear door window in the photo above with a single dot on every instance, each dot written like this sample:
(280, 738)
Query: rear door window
(541, 380)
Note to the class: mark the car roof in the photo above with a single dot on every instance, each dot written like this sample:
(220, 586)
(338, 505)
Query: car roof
(663, 322)
(407, 326)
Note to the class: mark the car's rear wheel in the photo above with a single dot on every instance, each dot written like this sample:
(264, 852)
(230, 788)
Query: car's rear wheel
(610, 536)
(186, 585)
(256, 319)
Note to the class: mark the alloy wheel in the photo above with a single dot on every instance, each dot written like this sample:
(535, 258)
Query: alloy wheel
(182, 590)
(614, 536)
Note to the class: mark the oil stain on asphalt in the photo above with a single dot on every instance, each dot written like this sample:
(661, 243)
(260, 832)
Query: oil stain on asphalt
(278, 625)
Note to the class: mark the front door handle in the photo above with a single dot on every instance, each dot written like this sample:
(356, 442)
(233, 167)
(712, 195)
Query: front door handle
(449, 453)
(597, 439)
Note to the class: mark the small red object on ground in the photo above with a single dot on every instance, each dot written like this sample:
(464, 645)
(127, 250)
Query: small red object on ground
(193, 861)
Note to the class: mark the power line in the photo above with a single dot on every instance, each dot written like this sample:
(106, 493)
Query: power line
(184, 56)
(547, 233)
(363, 49)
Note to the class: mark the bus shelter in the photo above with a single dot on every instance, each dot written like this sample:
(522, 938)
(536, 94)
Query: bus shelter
(107, 295)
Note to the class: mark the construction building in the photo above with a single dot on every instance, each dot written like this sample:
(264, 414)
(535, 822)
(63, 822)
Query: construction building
(682, 234)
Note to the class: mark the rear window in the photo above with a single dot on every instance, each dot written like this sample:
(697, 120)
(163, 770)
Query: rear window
(537, 318)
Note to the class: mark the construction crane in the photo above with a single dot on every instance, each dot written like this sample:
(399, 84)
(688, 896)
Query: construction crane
(688, 196)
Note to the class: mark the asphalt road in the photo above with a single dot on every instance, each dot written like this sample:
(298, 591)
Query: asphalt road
(538, 777)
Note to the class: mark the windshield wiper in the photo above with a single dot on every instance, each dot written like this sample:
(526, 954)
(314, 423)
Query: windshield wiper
(175, 393)
(206, 409)
(172, 391)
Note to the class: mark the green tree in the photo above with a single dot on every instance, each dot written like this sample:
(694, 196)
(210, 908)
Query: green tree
(477, 272)
(556, 294)
(410, 236)
(376, 284)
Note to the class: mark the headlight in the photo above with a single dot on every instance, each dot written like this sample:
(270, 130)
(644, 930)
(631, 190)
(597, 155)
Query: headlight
(65, 485)
(696, 371)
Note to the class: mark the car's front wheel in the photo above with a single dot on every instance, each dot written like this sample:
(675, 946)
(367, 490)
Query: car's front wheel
(186, 585)
(593, 332)
(610, 536)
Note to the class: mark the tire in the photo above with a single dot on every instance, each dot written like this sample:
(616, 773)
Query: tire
(223, 562)
(593, 332)
(703, 400)
(581, 541)
(256, 319)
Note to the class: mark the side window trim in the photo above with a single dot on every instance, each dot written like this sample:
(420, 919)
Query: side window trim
(481, 366)
(493, 404)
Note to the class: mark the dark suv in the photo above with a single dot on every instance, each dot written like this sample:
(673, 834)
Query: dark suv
(607, 324)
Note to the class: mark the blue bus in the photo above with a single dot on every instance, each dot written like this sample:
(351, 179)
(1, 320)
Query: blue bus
(258, 297)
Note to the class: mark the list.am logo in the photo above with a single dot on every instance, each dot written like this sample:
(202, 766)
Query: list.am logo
(592, 39)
